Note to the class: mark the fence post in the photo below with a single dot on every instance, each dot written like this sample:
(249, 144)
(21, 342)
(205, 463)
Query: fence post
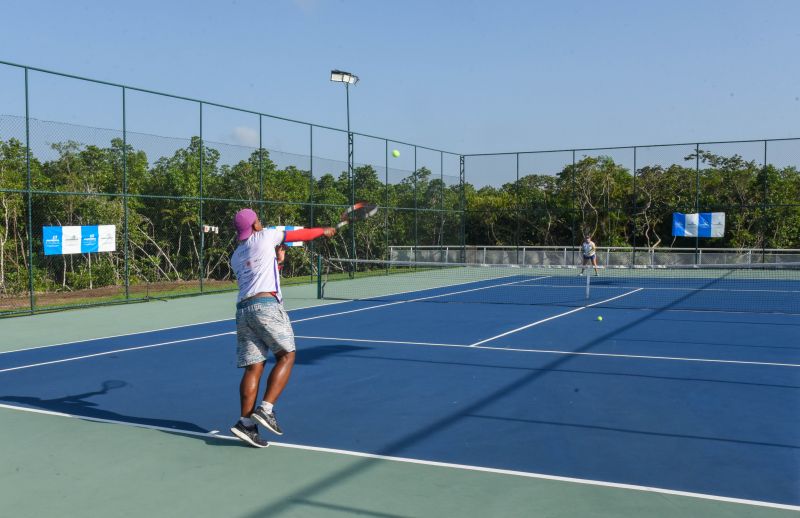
(517, 209)
(386, 200)
(440, 238)
(463, 237)
(260, 169)
(572, 225)
(200, 214)
(30, 193)
(635, 211)
(312, 244)
(416, 211)
(697, 200)
(126, 237)
(764, 220)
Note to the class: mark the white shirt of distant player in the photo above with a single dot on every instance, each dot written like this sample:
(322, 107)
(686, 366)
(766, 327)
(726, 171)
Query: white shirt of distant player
(588, 248)
(255, 265)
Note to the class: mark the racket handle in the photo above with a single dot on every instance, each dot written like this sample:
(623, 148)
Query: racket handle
(341, 224)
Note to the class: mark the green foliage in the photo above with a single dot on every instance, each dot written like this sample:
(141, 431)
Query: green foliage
(166, 206)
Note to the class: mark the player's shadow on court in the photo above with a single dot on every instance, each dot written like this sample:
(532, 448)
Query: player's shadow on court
(313, 354)
(78, 405)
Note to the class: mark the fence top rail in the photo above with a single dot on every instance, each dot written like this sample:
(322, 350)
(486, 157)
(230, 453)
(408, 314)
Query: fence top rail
(218, 105)
(320, 126)
(609, 248)
(640, 146)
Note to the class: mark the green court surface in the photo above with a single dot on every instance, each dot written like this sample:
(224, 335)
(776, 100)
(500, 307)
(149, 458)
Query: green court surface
(53, 465)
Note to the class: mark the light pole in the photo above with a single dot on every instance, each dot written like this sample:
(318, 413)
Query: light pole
(340, 76)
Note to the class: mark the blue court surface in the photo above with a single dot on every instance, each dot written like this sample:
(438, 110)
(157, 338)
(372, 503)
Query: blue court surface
(705, 402)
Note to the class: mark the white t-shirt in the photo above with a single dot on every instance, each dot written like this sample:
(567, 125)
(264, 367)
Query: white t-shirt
(255, 265)
(588, 248)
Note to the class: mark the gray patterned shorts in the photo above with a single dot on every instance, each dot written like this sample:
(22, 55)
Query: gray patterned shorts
(261, 323)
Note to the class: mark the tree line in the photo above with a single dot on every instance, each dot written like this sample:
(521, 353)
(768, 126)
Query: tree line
(168, 201)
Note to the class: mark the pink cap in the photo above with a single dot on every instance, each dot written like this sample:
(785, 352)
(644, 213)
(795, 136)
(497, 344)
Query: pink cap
(243, 221)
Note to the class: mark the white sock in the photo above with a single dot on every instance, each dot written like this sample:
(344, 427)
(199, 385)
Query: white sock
(247, 421)
(267, 407)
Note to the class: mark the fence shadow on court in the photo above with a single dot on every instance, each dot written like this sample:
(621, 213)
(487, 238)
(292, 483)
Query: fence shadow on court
(360, 466)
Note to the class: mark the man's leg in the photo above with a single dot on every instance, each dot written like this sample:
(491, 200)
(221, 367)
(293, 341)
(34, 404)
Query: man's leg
(279, 376)
(245, 429)
(248, 388)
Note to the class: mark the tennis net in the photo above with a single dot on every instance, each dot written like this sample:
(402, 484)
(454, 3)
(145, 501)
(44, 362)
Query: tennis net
(759, 288)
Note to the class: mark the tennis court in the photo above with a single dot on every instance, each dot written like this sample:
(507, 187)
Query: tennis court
(687, 387)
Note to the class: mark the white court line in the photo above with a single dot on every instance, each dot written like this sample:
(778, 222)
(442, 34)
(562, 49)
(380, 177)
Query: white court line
(655, 288)
(105, 353)
(539, 476)
(466, 467)
(114, 336)
(419, 299)
(557, 352)
(155, 330)
(226, 319)
(554, 317)
(114, 421)
(234, 332)
(473, 346)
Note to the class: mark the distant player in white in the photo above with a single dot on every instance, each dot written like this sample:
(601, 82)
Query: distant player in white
(589, 252)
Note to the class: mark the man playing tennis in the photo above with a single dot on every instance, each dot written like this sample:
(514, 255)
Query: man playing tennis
(261, 322)
(589, 251)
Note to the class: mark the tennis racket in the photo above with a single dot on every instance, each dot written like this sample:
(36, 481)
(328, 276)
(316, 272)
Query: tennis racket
(358, 212)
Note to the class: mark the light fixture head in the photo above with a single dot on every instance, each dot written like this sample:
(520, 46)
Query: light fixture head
(340, 76)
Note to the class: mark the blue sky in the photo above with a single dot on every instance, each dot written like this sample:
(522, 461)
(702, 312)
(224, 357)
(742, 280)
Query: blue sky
(465, 76)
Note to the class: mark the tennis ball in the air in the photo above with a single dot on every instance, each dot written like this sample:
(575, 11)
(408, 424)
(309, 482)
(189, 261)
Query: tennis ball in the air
(599, 319)
(395, 153)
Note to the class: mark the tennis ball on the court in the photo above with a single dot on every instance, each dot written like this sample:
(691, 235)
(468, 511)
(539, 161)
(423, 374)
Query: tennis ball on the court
(395, 153)
(599, 319)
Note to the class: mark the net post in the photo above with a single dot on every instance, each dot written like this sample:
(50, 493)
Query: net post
(588, 283)
(319, 276)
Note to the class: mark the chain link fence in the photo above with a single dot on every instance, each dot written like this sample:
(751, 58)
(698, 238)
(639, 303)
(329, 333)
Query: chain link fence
(167, 195)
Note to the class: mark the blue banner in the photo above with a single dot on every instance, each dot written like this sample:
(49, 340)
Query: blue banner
(89, 241)
(79, 240)
(52, 240)
(704, 224)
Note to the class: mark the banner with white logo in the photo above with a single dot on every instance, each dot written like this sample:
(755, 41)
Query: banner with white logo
(704, 224)
(79, 240)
